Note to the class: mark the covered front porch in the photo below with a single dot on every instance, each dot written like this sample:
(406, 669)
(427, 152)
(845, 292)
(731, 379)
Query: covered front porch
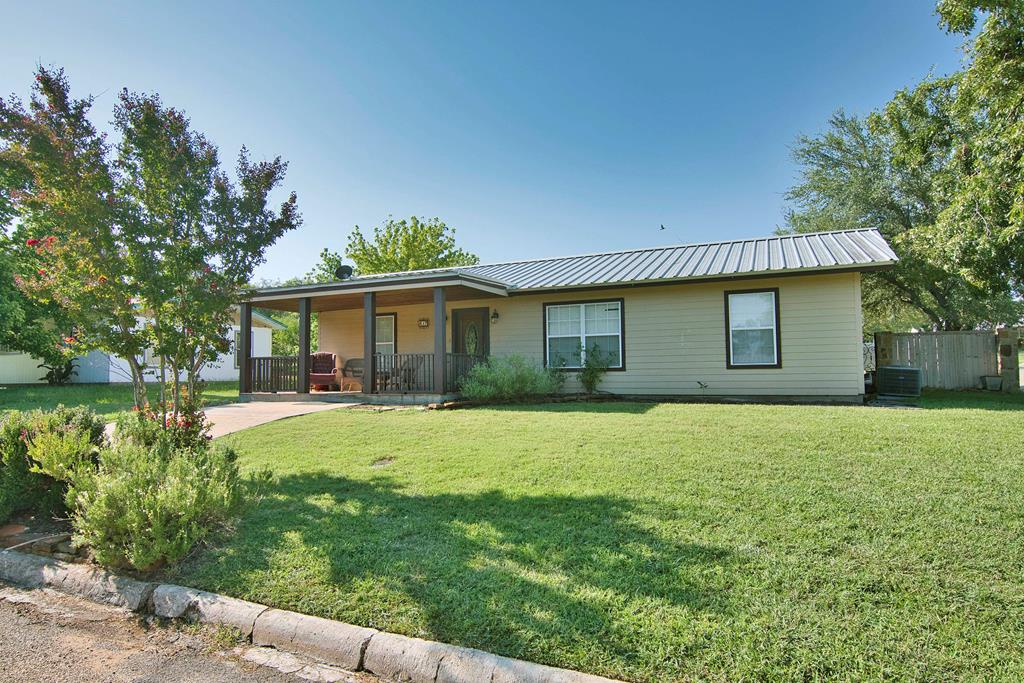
(381, 340)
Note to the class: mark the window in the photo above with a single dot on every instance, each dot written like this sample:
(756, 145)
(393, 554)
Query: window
(237, 347)
(150, 357)
(573, 329)
(386, 338)
(752, 329)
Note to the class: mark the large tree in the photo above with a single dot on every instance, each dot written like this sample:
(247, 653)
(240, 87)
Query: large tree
(145, 245)
(413, 244)
(982, 227)
(934, 171)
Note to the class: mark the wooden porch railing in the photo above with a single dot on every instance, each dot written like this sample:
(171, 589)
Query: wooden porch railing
(274, 373)
(458, 366)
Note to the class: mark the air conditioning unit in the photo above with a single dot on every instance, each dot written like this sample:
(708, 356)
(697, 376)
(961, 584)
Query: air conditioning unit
(898, 380)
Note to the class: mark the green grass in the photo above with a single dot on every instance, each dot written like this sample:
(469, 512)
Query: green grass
(106, 399)
(654, 542)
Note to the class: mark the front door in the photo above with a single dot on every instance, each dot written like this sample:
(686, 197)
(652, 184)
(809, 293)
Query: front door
(471, 331)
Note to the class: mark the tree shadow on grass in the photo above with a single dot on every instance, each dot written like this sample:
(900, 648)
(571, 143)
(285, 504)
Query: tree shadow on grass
(553, 578)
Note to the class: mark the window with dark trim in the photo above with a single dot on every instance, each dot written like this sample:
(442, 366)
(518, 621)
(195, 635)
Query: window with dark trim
(574, 328)
(387, 333)
(752, 330)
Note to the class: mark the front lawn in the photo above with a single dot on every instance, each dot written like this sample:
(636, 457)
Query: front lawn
(106, 399)
(654, 542)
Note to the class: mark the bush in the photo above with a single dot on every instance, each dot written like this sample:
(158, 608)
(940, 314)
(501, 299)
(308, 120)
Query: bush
(63, 435)
(143, 507)
(510, 378)
(594, 367)
(147, 427)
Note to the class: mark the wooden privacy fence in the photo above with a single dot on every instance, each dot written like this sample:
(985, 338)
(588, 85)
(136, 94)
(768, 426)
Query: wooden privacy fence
(953, 360)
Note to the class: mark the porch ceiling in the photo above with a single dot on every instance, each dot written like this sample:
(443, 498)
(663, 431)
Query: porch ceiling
(385, 298)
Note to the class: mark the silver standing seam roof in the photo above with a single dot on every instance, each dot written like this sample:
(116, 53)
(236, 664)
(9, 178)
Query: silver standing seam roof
(863, 249)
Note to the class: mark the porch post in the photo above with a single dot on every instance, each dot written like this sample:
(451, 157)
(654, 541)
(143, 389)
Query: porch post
(245, 348)
(369, 342)
(304, 350)
(440, 327)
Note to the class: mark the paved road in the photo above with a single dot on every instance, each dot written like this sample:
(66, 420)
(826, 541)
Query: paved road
(48, 637)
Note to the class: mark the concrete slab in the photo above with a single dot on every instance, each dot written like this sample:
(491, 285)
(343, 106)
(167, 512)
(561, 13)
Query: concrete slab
(233, 417)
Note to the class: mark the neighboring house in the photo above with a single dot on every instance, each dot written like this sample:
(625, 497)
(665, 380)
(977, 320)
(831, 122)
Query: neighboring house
(97, 367)
(772, 317)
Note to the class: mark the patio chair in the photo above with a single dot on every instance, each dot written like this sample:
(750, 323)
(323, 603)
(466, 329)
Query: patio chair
(352, 375)
(323, 369)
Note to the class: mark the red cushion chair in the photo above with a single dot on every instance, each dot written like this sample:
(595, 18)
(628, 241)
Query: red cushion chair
(323, 369)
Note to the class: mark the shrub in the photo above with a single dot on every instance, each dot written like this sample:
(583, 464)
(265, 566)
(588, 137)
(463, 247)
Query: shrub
(594, 367)
(510, 378)
(147, 427)
(143, 507)
(63, 435)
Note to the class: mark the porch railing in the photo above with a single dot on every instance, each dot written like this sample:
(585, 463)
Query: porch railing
(274, 373)
(404, 373)
(396, 373)
(458, 366)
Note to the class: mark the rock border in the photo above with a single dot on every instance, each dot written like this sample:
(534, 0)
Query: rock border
(355, 648)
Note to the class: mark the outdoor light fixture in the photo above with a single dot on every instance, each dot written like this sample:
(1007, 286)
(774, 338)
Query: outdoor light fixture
(423, 322)
(494, 317)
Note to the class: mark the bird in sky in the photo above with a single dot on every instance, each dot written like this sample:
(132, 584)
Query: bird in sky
(662, 226)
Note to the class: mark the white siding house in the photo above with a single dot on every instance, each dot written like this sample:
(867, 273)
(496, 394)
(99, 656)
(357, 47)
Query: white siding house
(97, 367)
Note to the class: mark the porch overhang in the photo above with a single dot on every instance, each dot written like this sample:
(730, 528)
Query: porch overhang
(390, 291)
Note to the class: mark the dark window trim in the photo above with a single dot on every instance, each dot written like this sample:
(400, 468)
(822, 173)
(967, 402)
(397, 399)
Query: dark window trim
(778, 332)
(622, 328)
(394, 323)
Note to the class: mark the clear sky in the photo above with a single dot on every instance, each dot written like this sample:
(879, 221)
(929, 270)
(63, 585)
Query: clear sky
(536, 129)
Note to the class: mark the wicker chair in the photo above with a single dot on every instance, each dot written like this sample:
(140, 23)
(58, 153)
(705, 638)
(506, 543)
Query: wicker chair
(352, 375)
(323, 369)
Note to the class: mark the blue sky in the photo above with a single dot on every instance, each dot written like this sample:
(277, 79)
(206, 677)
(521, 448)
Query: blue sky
(536, 129)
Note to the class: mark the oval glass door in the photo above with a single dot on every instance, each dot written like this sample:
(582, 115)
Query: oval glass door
(471, 339)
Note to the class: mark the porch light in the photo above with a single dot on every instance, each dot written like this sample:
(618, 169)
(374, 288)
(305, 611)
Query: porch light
(423, 322)
(494, 317)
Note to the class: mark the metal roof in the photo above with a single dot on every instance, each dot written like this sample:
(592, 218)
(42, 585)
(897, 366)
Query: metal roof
(851, 249)
(863, 249)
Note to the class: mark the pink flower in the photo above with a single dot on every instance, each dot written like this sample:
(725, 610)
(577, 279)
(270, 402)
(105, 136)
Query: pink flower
(41, 271)
(32, 242)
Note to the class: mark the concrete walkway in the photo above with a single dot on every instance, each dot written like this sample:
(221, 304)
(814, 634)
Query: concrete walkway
(233, 417)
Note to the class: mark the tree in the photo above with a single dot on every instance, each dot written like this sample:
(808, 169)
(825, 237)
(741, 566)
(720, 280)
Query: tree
(983, 225)
(40, 330)
(413, 244)
(853, 176)
(148, 248)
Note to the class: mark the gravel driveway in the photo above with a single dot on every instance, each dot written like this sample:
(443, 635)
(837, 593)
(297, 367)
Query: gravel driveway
(49, 637)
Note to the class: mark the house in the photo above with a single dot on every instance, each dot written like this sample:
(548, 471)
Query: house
(775, 317)
(97, 367)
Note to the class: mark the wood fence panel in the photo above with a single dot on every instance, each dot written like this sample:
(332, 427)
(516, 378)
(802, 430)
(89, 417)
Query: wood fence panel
(948, 360)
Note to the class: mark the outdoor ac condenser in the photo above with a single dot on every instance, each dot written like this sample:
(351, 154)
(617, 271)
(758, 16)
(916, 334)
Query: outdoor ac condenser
(898, 380)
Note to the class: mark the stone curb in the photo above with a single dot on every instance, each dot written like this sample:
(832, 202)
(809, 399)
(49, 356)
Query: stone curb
(178, 602)
(78, 579)
(388, 655)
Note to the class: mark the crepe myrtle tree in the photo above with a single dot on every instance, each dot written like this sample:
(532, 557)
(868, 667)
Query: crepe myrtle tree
(143, 245)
